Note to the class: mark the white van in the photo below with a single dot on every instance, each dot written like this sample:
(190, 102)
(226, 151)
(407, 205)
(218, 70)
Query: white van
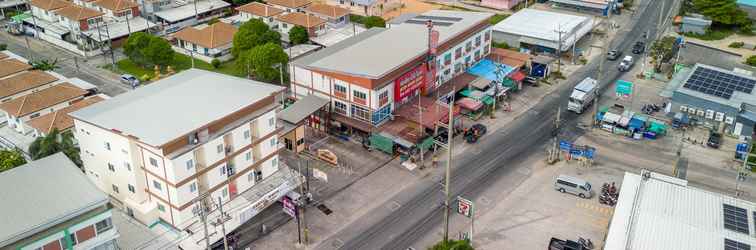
(576, 186)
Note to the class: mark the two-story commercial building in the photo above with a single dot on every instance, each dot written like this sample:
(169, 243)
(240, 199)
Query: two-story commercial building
(57, 208)
(261, 11)
(172, 148)
(206, 42)
(366, 77)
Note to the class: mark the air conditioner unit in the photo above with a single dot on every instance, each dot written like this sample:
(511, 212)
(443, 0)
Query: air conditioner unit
(700, 112)
(729, 120)
(709, 114)
(691, 111)
(683, 108)
(719, 116)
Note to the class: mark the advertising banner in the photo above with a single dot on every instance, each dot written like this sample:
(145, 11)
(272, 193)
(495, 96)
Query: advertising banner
(407, 83)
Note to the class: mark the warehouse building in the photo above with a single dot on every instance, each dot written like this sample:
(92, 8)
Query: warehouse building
(656, 211)
(542, 31)
(719, 99)
(597, 7)
(366, 77)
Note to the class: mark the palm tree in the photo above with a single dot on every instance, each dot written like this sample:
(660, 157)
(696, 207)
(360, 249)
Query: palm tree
(53, 143)
(45, 64)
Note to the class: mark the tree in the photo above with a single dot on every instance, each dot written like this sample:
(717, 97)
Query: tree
(662, 51)
(452, 245)
(298, 35)
(10, 159)
(134, 46)
(722, 11)
(55, 142)
(751, 61)
(251, 34)
(264, 61)
(215, 63)
(45, 64)
(374, 21)
(159, 52)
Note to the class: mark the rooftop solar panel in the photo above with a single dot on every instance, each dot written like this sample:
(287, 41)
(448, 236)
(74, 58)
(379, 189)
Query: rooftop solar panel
(440, 18)
(735, 218)
(735, 245)
(415, 21)
(717, 83)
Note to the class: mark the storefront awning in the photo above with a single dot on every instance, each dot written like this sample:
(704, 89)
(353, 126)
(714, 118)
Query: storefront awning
(469, 103)
(611, 117)
(517, 76)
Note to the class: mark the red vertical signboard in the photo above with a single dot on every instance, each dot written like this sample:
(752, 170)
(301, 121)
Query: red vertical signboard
(407, 83)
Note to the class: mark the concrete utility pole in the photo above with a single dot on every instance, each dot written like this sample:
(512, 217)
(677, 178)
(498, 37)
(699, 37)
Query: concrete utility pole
(222, 221)
(110, 43)
(201, 211)
(742, 171)
(559, 48)
(449, 143)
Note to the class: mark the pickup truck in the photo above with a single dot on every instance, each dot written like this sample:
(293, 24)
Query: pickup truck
(557, 244)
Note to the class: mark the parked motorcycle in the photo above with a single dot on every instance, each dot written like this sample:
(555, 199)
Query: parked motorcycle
(586, 243)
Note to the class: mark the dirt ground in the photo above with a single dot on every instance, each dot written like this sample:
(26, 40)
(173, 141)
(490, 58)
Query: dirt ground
(410, 6)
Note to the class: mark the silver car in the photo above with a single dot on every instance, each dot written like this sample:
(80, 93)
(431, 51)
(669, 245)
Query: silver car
(573, 185)
(130, 80)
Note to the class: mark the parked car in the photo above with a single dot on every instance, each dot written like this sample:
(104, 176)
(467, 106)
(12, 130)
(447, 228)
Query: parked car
(573, 185)
(639, 48)
(626, 64)
(130, 80)
(475, 132)
(613, 55)
(715, 139)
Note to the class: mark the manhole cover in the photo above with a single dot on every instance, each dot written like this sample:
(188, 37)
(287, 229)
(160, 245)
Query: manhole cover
(323, 208)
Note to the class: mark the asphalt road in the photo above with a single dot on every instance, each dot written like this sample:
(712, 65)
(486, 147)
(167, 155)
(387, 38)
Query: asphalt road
(422, 205)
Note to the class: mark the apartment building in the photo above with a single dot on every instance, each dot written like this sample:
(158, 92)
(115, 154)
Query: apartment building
(366, 77)
(172, 147)
(264, 12)
(178, 14)
(57, 208)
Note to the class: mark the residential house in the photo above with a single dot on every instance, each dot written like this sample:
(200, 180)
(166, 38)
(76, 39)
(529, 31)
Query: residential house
(315, 26)
(59, 119)
(160, 148)
(57, 208)
(77, 19)
(290, 6)
(367, 7)
(334, 15)
(119, 9)
(500, 4)
(43, 9)
(261, 11)
(12, 66)
(20, 110)
(207, 42)
(24, 83)
(180, 14)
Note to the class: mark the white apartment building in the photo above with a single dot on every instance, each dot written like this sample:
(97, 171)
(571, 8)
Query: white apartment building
(366, 77)
(159, 148)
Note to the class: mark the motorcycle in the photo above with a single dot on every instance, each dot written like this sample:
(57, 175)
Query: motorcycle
(586, 243)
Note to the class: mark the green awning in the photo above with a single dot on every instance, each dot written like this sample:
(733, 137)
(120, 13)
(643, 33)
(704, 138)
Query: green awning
(20, 17)
(604, 109)
(382, 143)
(488, 100)
(426, 144)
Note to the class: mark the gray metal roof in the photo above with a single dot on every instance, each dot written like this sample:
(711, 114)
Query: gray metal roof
(302, 108)
(187, 10)
(737, 99)
(42, 194)
(365, 55)
(177, 105)
(541, 27)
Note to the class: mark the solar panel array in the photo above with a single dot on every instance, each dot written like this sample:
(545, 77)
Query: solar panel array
(415, 21)
(735, 218)
(734, 245)
(717, 83)
(440, 18)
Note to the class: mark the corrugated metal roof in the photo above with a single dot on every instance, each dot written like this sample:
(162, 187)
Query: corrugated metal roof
(542, 27)
(662, 214)
(302, 108)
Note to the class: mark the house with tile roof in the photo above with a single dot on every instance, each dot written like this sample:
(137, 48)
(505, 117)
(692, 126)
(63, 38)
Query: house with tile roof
(24, 83)
(264, 12)
(43, 9)
(206, 42)
(58, 119)
(22, 109)
(336, 16)
(12, 66)
(315, 26)
(367, 7)
(118, 9)
(290, 6)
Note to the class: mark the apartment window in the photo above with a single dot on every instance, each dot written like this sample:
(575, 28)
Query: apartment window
(447, 59)
(111, 167)
(283, 25)
(359, 97)
(207, 51)
(223, 170)
(273, 142)
(72, 236)
(153, 162)
(157, 185)
(103, 225)
(351, 3)
(194, 47)
(339, 107)
(219, 148)
(246, 134)
(251, 176)
(447, 72)
(193, 187)
(383, 98)
(360, 113)
(107, 145)
(468, 46)
(487, 36)
(457, 67)
(477, 41)
(271, 122)
(225, 192)
(127, 165)
(248, 155)
(161, 207)
(275, 162)
(189, 164)
(341, 1)
(458, 53)
(258, 175)
(131, 189)
(115, 188)
(339, 90)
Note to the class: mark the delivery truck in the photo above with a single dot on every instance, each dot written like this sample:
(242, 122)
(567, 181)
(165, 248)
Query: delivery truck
(583, 95)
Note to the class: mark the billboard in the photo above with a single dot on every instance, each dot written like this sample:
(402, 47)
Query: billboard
(407, 83)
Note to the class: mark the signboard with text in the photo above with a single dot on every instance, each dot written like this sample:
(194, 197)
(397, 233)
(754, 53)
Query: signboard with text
(289, 207)
(407, 83)
(464, 207)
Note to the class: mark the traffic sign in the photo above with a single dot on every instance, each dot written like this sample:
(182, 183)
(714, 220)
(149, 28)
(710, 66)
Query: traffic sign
(289, 207)
(464, 207)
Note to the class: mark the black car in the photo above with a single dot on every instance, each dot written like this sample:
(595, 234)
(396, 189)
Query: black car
(613, 55)
(475, 132)
(639, 48)
(714, 140)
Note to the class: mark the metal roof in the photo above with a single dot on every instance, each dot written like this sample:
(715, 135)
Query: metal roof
(382, 51)
(43, 193)
(302, 108)
(735, 101)
(186, 10)
(541, 27)
(663, 212)
(177, 105)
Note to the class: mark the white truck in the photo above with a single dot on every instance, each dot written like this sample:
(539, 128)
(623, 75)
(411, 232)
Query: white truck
(582, 95)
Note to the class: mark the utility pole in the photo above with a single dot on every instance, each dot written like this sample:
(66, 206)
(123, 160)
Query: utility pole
(201, 211)
(559, 48)
(110, 43)
(742, 171)
(36, 30)
(222, 221)
(449, 143)
(600, 73)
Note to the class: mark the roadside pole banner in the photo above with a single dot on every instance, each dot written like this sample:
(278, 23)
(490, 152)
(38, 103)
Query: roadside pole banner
(289, 207)
(464, 207)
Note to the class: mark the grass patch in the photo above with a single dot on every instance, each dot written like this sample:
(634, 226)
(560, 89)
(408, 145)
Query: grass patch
(712, 34)
(497, 18)
(180, 62)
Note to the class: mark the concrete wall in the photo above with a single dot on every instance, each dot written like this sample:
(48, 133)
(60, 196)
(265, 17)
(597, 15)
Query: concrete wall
(500, 4)
(510, 39)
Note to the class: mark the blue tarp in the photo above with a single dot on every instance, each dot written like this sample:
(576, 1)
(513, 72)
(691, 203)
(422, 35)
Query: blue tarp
(487, 69)
(636, 124)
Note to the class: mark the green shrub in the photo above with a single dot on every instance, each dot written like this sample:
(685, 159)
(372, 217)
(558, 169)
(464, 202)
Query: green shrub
(751, 61)
(3, 46)
(216, 63)
(736, 45)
